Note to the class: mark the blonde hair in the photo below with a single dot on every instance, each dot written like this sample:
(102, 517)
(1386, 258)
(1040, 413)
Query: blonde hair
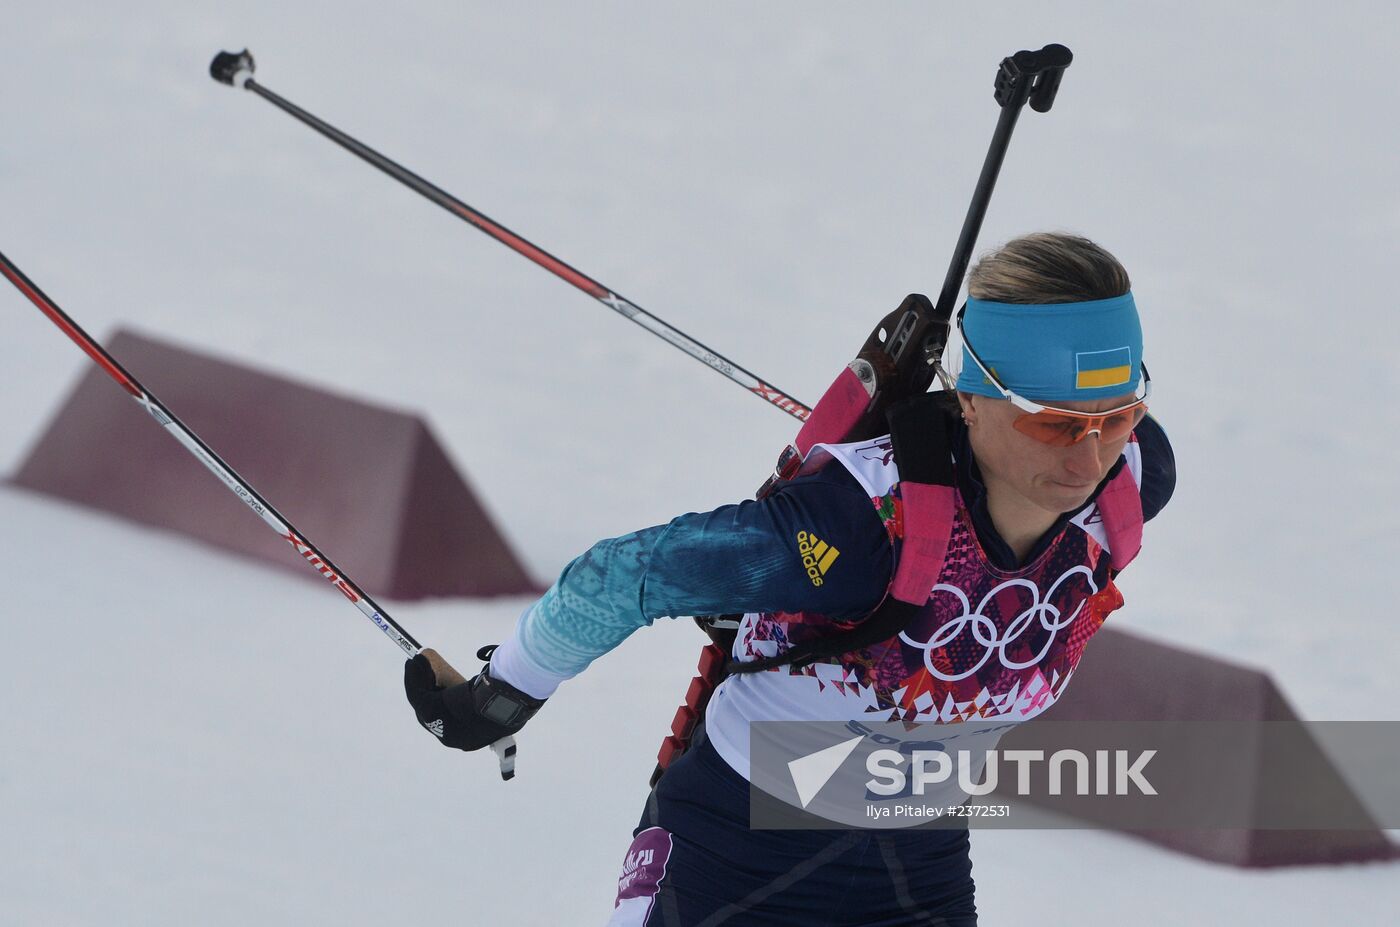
(1047, 267)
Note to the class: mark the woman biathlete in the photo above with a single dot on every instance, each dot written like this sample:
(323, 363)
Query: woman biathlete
(1054, 466)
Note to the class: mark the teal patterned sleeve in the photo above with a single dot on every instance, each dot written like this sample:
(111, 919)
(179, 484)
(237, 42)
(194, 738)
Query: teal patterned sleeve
(737, 558)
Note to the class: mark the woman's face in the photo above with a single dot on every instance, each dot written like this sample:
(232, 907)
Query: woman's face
(1056, 479)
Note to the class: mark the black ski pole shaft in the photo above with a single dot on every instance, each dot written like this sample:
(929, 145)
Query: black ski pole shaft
(236, 69)
(504, 748)
(1025, 77)
(901, 357)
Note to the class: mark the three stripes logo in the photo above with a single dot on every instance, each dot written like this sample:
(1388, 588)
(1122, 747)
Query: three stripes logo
(436, 727)
(817, 556)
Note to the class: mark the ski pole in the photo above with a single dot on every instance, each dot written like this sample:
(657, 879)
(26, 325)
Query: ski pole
(236, 69)
(904, 350)
(504, 748)
(1025, 77)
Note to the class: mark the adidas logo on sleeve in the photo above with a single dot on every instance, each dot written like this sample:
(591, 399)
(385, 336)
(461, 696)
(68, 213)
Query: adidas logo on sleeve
(817, 556)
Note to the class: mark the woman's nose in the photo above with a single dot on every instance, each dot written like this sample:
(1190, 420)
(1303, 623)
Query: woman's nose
(1083, 456)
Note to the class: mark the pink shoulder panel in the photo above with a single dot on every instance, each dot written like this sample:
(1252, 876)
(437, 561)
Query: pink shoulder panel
(1120, 504)
(929, 512)
(840, 407)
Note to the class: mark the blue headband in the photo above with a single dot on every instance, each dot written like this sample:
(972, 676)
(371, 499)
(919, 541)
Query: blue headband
(1054, 352)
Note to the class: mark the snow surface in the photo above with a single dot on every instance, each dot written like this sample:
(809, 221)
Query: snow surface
(193, 738)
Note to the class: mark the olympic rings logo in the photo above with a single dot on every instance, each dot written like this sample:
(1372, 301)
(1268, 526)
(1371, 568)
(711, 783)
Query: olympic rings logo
(984, 629)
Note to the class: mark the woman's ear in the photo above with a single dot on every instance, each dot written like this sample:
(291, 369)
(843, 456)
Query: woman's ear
(967, 401)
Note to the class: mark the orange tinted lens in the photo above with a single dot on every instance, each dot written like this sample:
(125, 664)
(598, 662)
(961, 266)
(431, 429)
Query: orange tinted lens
(1120, 424)
(1052, 428)
(1058, 429)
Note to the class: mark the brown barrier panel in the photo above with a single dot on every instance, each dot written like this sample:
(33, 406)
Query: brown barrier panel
(372, 487)
(1126, 678)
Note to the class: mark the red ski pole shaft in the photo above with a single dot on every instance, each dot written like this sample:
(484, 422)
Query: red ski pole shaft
(236, 69)
(505, 748)
(212, 461)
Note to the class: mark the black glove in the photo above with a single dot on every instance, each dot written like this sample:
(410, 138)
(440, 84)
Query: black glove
(465, 713)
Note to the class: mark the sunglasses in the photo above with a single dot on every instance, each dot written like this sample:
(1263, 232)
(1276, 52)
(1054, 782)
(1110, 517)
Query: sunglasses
(1066, 427)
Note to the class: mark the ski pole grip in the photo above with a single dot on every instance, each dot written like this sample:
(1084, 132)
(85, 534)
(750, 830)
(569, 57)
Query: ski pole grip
(445, 673)
(505, 756)
(232, 68)
(1043, 94)
(1032, 76)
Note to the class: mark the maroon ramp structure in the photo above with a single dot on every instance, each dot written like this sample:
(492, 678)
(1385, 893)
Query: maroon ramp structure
(371, 486)
(1248, 754)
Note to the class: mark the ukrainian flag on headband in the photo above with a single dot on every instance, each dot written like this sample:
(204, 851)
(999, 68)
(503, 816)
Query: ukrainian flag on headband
(1096, 369)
